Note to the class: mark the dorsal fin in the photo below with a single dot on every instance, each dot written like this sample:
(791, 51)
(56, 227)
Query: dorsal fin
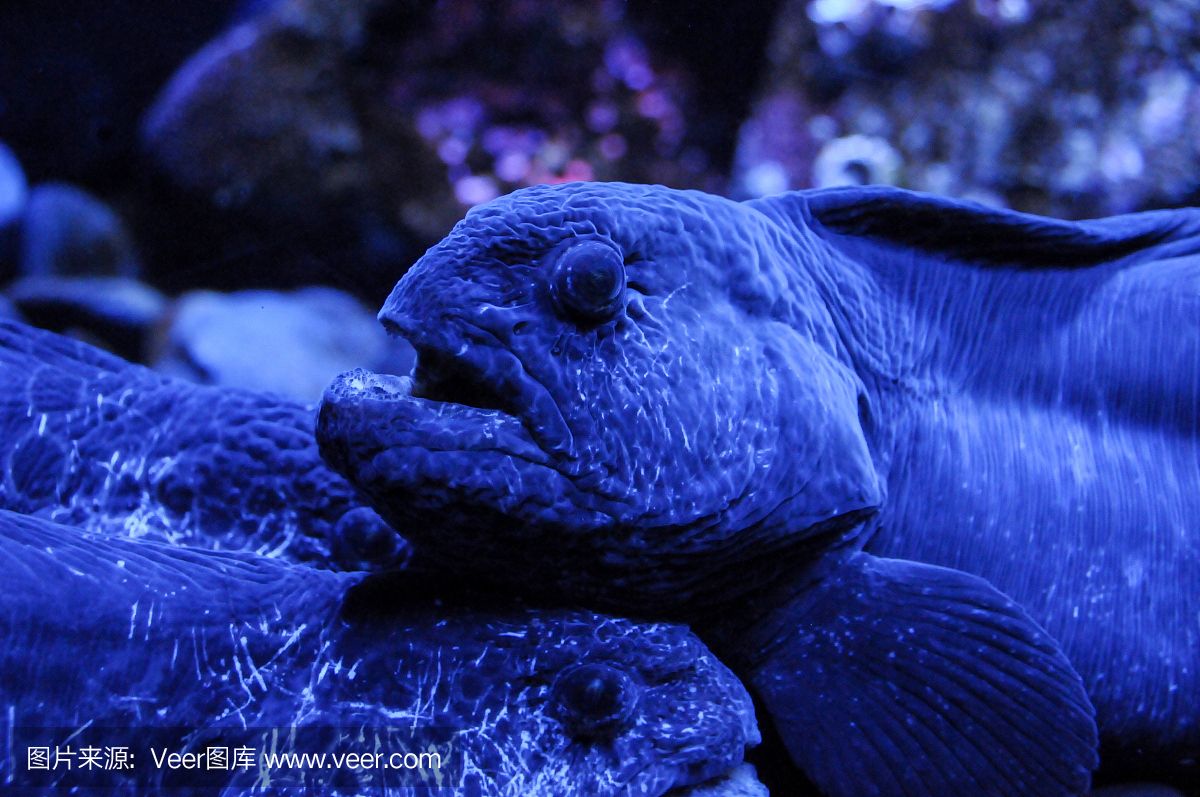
(962, 230)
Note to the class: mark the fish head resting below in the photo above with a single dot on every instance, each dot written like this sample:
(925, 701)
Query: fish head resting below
(550, 701)
(558, 702)
(622, 377)
(518, 700)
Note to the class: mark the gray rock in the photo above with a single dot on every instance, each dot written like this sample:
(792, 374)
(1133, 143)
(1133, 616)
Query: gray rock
(8, 310)
(293, 344)
(13, 189)
(69, 232)
(116, 313)
(347, 136)
(267, 120)
(14, 193)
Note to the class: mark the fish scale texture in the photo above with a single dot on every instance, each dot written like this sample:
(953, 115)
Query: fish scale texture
(110, 446)
(921, 680)
(184, 648)
(780, 381)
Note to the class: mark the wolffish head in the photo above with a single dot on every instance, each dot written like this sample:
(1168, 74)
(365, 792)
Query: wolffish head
(620, 390)
(556, 702)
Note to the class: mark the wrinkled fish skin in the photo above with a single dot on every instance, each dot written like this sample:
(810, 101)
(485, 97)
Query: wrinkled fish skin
(180, 646)
(100, 443)
(820, 391)
(643, 458)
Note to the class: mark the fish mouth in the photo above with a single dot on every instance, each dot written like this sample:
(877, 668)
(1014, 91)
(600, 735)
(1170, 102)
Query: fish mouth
(443, 377)
(470, 422)
(712, 770)
(368, 414)
(478, 391)
(464, 364)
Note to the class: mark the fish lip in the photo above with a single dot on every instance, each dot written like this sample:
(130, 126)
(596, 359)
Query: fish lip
(360, 399)
(685, 778)
(369, 386)
(458, 345)
(708, 763)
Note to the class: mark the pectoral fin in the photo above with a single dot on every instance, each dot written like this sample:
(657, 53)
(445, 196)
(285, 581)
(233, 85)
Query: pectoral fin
(891, 677)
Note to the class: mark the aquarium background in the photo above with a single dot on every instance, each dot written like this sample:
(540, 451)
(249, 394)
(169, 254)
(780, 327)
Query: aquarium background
(227, 191)
(153, 151)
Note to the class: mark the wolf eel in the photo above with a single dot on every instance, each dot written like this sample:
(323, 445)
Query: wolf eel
(98, 442)
(161, 648)
(924, 471)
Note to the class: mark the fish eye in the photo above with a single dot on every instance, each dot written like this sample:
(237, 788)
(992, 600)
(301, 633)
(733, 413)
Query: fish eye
(588, 282)
(594, 700)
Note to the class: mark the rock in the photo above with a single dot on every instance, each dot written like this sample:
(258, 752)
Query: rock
(13, 189)
(68, 232)
(277, 122)
(262, 119)
(351, 135)
(14, 192)
(8, 311)
(293, 344)
(116, 313)
(1067, 109)
(76, 77)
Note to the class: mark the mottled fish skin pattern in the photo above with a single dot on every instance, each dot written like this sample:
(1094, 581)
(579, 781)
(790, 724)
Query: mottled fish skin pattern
(142, 635)
(97, 442)
(943, 387)
(1035, 409)
(662, 448)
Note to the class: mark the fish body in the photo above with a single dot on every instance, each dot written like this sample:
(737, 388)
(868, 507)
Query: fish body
(169, 650)
(109, 446)
(931, 466)
(1038, 426)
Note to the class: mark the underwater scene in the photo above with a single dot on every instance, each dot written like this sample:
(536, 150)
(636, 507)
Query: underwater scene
(594, 398)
